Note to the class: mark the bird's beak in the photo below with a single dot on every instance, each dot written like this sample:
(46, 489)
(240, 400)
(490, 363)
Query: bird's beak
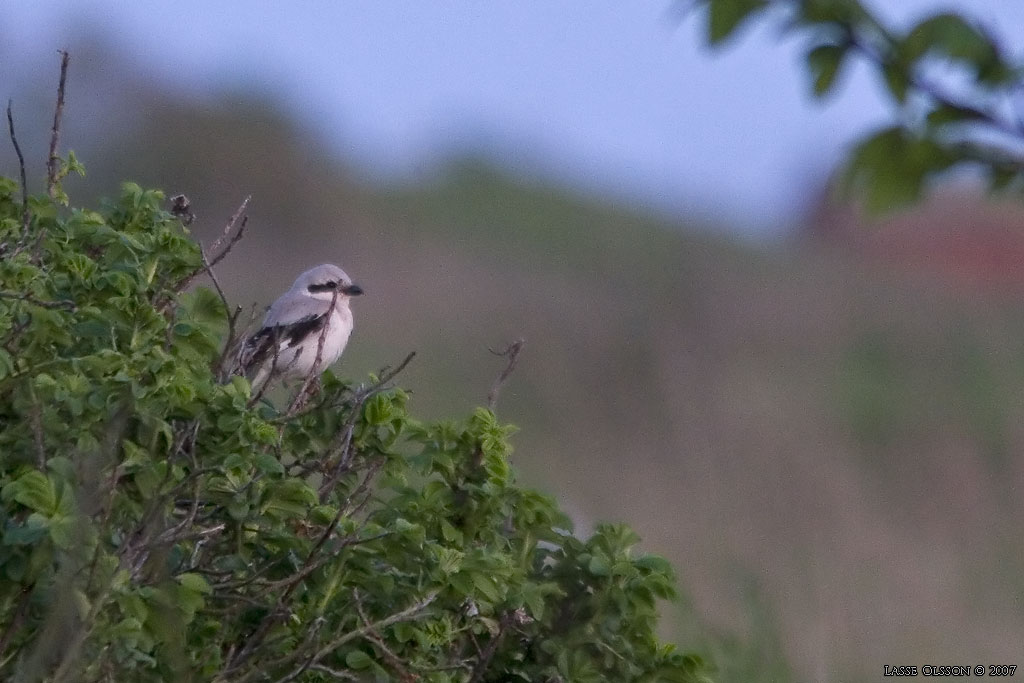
(352, 290)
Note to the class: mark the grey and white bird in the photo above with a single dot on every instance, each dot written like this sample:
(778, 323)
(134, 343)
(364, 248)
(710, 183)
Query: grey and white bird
(305, 330)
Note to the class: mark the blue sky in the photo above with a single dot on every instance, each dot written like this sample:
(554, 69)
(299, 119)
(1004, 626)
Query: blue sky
(614, 97)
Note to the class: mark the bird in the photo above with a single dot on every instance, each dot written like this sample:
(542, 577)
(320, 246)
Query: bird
(304, 331)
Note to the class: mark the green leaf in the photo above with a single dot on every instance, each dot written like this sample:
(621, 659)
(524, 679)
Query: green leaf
(725, 16)
(824, 62)
(890, 167)
(951, 36)
(34, 528)
(947, 114)
(33, 490)
(268, 464)
(895, 77)
(64, 532)
(358, 660)
(6, 364)
(195, 583)
(599, 566)
(486, 585)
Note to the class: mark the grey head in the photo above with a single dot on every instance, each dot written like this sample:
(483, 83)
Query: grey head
(323, 281)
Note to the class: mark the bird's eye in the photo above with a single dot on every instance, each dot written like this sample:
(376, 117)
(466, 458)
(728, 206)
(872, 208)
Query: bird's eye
(332, 284)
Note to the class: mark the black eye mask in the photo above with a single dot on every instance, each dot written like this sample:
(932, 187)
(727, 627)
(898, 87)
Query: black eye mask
(325, 287)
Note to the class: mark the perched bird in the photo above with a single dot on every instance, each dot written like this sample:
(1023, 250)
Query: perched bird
(310, 322)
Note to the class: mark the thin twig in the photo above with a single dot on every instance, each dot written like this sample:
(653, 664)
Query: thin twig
(404, 674)
(15, 333)
(52, 161)
(234, 240)
(386, 375)
(408, 614)
(333, 672)
(237, 218)
(480, 670)
(19, 615)
(25, 216)
(273, 617)
(345, 450)
(63, 303)
(231, 223)
(36, 421)
(412, 612)
(308, 640)
(512, 353)
(230, 341)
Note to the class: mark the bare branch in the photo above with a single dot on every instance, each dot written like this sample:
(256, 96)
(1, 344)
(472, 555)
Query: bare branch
(229, 226)
(308, 640)
(239, 219)
(36, 421)
(19, 616)
(52, 162)
(25, 217)
(403, 674)
(512, 353)
(408, 614)
(507, 619)
(345, 447)
(412, 612)
(229, 342)
(343, 675)
(63, 303)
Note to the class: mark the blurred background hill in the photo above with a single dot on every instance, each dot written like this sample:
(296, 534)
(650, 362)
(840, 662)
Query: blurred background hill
(821, 430)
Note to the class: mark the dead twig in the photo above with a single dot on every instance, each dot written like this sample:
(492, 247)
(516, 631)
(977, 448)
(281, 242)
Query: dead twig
(508, 619)
(52, 163)
(231, 222)
(308, 640)
(404, 674)
(386, 375)
(344, 675)
(11, 341)
(511, 352)
(345, 447)
(25, 216)
(63, 303)
(410, 613)
(232, 318)
(36, 421)
(19, 616)
(239, 219)
(273, 617)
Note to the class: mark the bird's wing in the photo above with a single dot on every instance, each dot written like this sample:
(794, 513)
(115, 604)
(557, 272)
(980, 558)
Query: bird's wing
(292, 307)
(290, 320)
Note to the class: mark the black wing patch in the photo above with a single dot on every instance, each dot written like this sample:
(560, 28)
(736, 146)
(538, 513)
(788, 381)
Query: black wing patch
(260, 347)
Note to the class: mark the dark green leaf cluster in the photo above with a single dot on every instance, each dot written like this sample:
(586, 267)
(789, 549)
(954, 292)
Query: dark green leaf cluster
(948, 79)
(161, 525)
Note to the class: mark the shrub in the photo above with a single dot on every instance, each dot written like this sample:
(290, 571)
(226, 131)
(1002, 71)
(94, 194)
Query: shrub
(159, 523)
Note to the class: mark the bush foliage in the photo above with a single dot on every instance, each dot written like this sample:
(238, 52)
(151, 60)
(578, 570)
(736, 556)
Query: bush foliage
(160, 524)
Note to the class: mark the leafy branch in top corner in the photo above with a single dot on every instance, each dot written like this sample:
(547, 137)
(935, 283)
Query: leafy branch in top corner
(954, 89)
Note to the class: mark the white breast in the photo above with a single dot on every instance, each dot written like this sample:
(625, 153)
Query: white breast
(298, 360)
